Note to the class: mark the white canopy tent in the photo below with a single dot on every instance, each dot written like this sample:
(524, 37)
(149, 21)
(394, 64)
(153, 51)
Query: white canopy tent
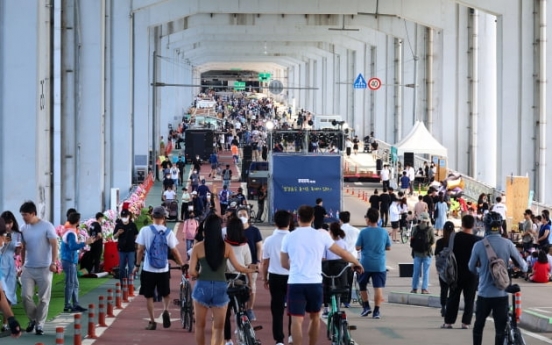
(420, 141)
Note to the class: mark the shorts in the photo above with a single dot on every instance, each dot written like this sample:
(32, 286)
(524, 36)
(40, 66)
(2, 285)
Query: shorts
(210, 293)
(304, 298)
(378, 280)
(213, 166)
(149, 281)
(395, 225)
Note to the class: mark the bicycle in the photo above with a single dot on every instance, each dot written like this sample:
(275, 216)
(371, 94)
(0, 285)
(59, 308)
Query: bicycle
(238, 292)
(338, 327)
(512, 334)
(356, 289)
(406, 227)
(185, 299)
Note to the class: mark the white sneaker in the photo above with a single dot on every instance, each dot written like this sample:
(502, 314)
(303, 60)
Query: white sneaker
(229, 342)
(279, 343)
(290, 340)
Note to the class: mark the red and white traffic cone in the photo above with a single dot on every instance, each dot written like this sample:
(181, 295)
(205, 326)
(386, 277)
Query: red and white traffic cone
(91, 323)
(110, 303)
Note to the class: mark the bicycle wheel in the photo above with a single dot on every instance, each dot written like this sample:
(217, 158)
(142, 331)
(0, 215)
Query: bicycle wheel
(518, 338)
(249, 334)
(508, 336)
(183, 302)
(356, 289)
(345, 337)
(189, 308)
(329, 327)
(404, 235)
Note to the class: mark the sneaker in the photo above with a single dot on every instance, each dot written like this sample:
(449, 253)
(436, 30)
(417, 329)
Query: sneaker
(290, 340)
(79, 309)
(229, 342)
(346, 305)
(251, 315)
(68, 309)
(39, 330)
(279, 343)
(366, 312)
(30, 326)
(376, 315)
(325, 313)
(166, 319)
(151, 326)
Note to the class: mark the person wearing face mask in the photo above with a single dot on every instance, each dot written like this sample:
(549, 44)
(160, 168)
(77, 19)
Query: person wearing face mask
(194, 180)
(125, 233)
(255, 242)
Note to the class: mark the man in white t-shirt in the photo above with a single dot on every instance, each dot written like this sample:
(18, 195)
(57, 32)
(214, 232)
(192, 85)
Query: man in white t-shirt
(411, 173)
(384, 176)
(501, 209)
(153, 278)
(169, 195)
(351, 236)
(275, 277)
(302, 253)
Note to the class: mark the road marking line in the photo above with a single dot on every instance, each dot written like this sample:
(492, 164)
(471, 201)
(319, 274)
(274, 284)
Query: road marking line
(531, 334)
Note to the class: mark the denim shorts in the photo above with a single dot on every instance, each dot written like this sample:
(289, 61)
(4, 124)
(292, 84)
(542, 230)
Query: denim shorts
(210, 293)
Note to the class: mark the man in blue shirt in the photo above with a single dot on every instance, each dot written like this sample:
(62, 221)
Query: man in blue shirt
(372, 242)
(489, 297)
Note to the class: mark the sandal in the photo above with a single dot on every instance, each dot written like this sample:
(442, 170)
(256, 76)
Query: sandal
(166, 319)
(445, 326)
(151, 326)
(413, 291)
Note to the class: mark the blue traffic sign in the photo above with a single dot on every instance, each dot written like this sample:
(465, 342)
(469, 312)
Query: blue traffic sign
(360, 82)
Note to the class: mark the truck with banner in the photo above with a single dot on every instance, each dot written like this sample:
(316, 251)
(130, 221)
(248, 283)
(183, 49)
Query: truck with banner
(299, 179)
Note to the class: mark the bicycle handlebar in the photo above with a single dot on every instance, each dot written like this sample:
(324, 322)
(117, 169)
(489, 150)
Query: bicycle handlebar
(340, 273)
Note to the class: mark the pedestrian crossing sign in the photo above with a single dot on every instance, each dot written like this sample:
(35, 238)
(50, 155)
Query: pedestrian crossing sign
(360, 82)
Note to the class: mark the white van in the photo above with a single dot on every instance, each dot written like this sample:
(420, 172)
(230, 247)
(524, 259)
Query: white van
(325, 121)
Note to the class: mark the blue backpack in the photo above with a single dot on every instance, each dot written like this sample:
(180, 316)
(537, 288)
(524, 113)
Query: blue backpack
(158, 251)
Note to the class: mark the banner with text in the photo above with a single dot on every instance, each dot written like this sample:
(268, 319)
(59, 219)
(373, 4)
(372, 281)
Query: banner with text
(301, 179)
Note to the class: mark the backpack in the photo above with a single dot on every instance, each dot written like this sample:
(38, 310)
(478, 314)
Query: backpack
(497, 267)
(195, 180)
(419, 242)
(446, 264)
(158, 251)
(227, 174)
(223, 197)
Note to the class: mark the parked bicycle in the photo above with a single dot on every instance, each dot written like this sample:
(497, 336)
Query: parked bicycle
(338, 327)
(512, 334)
(185, 299)
(238, 291)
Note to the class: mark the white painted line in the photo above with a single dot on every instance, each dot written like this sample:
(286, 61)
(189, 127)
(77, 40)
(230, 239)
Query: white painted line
(531, 334)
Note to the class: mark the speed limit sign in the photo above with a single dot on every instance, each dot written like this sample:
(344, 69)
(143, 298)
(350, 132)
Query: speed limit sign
(374, 83)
